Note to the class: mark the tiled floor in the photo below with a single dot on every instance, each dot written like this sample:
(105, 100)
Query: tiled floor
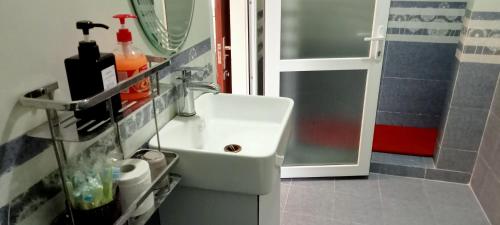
(378, 200)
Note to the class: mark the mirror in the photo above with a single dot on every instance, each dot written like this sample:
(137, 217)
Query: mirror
(166, 23)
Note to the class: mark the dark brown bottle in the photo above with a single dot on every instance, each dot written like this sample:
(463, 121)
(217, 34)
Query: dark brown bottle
(89, 73)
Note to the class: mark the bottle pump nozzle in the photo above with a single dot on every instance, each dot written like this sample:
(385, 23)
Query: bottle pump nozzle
(86, 25)
(88, 49)
(123, 35)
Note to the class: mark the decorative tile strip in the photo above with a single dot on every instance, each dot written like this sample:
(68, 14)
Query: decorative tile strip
(481, 42)
(426, 21)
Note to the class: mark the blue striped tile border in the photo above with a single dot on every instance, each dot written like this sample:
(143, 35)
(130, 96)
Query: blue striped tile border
(485, 15)
(427, 32)
(426, 18)
(20, 150)
(428, 4)
(480, 50)
(482, 33)
(22, 206)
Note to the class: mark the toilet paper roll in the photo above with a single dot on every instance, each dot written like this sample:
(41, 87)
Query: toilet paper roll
(135, 178)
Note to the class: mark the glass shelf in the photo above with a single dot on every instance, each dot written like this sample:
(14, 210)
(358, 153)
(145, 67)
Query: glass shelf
(70, 129)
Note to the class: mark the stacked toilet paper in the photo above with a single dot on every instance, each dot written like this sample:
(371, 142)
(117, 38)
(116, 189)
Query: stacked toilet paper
(135, 178)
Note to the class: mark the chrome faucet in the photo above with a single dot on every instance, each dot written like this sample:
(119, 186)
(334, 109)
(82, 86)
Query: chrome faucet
(185, 104)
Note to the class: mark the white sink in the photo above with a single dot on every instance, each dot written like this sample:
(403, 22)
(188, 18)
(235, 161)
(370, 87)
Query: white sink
(258, 124)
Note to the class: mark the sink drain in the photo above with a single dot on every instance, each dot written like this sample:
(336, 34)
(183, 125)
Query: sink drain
(234, 148)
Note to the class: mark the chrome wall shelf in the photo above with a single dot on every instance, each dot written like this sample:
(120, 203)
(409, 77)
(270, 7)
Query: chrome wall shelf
(62, 126)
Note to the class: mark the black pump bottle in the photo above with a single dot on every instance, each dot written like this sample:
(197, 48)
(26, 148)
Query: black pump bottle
(89, 73)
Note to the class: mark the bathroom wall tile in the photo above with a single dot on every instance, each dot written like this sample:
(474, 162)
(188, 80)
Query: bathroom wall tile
(475, 85)
(490, 146)
(447, 175)
(464, 128)
(412, 96)
(397, 170)
(406, 119)
(479, 175)
(419, 60)
(495, 103)
(456, 160)
(490, 199)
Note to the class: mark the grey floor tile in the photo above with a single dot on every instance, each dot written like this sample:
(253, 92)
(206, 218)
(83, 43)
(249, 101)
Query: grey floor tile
(404, 212)
(361, 187)
(284, 190)
(290, 218)
(356, 209)
(311, 198)
(316, 183)
(459, 216)
(401, 188)
(442, 194)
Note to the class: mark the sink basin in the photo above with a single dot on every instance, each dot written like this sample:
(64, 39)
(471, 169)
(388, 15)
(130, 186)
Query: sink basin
(258, 124)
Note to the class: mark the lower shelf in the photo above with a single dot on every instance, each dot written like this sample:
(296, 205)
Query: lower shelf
(159, 197)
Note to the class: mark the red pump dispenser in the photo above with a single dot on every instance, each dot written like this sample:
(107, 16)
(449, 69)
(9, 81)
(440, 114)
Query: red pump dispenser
(130, 61)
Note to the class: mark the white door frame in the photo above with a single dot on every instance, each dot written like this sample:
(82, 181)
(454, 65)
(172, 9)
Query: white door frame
(373, 64)
(240, 66)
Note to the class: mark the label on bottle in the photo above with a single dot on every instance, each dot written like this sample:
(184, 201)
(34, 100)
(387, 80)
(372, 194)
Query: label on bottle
(109, 77)
(142, 86)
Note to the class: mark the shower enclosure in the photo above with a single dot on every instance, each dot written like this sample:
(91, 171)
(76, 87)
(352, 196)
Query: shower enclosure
(327, 56)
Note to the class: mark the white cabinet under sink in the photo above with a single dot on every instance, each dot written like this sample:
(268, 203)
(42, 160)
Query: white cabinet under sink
(195, 206)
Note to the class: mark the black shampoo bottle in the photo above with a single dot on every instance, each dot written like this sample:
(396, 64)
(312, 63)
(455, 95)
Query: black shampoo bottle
(89, 73)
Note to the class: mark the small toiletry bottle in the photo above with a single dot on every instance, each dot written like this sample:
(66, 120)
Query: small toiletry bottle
(130, 61)
(91, 72)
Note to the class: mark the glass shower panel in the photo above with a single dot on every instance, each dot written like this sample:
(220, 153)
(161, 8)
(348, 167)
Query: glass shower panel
(325, 28)
(327, 116)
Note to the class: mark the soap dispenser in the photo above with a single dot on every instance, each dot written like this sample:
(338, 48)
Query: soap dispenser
(89, 73)
(130, 61)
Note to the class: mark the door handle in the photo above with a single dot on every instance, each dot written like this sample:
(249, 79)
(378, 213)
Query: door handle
(378, 41)
(225, 50)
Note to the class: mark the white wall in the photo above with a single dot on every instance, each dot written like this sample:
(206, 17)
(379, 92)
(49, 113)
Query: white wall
(36, 37)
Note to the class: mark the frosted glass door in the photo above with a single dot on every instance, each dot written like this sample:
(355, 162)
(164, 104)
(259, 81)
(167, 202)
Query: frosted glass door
(325, 28)
(327, 116)
(327, 56)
